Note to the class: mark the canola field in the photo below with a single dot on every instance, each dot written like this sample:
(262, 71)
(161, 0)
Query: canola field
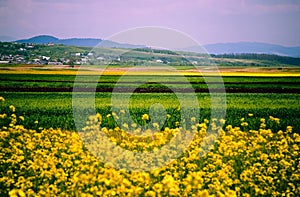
(261, 161)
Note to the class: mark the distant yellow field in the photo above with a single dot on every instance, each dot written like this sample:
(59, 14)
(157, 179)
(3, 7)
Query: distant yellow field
(247, 72)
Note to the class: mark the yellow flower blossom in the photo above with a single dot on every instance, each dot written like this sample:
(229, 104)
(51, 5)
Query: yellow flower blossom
(12, 108)
(244, 124)
(145, 117)
(2, 99)
(21, 118)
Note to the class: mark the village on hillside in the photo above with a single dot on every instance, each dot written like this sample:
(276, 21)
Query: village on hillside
(43, 54)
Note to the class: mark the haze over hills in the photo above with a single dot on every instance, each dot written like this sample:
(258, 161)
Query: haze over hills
(248, 47)
(218, 48)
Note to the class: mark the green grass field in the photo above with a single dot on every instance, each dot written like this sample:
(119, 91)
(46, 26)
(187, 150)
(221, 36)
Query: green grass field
(55, 109)
(109, 81)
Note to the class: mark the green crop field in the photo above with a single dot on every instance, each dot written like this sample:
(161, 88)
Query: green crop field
(55, 109)
(15, 81)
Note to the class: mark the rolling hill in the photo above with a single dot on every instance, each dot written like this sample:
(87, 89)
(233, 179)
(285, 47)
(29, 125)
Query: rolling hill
(248, 47)
(218, 48)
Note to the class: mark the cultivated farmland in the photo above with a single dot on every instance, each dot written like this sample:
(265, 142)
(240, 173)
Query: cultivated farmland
(255, 151)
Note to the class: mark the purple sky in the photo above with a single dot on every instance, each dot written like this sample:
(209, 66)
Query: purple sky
(207, 21)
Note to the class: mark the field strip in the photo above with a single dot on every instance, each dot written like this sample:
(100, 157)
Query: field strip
(150, 72)
(164, 82)
(152, 90)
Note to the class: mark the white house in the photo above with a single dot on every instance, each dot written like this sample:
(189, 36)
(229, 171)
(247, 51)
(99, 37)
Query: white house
(100, 58)
(45, 58)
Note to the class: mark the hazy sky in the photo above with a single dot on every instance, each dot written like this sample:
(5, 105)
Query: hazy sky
(207, 21)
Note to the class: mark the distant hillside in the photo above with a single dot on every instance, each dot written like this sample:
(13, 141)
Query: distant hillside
(219, 48)
(249, 47)
(86, 42)
(43, 39)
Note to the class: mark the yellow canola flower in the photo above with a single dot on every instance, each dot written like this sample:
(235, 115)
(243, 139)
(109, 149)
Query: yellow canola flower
(17, 193)
(145, 117)
(150, 194)
(134, 125)
(21, 118)
(244, 124)
(222, 121)
(125, 125)
(289, 129)
(3, 116)
(156, 125)
(2, 99)
(12, 108)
